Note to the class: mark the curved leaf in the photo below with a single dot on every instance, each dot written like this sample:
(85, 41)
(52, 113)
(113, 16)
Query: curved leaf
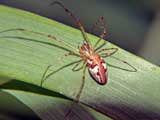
(25, 56)
(52, 108)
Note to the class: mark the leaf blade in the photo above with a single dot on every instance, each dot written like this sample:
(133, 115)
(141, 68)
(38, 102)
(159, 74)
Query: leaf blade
(26, 61)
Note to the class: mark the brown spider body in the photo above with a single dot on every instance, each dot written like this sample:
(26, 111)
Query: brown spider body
(96, 65)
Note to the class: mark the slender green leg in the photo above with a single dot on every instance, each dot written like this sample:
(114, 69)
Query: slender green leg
(103, 26)
(104, 55)
(100, 46)
(125, 62)
(45, 35)
(45, 77)
(74, 69)
(82, 85)
(107, 49)
(67, 55)
(79, 93)
(77, 21)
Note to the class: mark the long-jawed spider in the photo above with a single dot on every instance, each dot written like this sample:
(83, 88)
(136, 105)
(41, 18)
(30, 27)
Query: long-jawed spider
(92, 56)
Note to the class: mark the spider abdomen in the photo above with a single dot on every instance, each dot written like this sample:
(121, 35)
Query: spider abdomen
(98, 71)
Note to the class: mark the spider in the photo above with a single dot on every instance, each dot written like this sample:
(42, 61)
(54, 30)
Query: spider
(90, 56)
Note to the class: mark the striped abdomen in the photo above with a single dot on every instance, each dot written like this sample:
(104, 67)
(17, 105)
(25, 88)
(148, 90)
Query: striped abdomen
(98, 71)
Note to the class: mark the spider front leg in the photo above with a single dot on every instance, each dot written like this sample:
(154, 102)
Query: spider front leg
(77, 21)
(101, 20)
(52, 37)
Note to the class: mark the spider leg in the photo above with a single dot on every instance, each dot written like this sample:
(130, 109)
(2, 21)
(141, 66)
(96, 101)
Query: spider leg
(82, 85)
(42, 42)
(67, 55)
(42, 34)
(101, 45)
(110, 55)
(74, 69)
(103, 26)
(79, 93)
(107, 54)
(44, 74)
(45, 77)
(125, 62)
(77, 21)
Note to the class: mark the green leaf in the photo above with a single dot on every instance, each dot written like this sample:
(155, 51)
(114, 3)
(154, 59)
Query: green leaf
(24, 56)
(47, 107)
(14, 109)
